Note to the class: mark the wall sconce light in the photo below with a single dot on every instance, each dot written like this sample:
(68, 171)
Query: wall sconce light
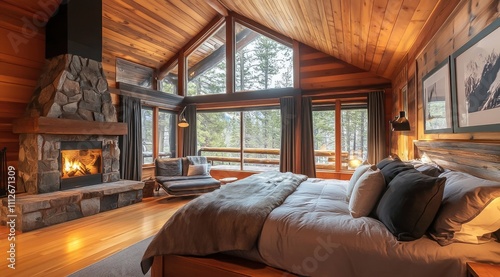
(400, 123)
(182, 119)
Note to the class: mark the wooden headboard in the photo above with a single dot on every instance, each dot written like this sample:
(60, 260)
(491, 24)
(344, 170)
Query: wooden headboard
(481, 159)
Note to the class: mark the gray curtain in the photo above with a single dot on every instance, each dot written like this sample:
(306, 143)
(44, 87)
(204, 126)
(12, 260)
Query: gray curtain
(189, 145)
(131, 143)
(376, 127)
(307, 156)
(288, 117)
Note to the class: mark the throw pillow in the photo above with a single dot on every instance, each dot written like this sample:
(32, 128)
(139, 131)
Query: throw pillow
(392, 168)
(197, 169)
(410, 203)
(355, 176)
(168, 167)
(366, 193)
(465, 198)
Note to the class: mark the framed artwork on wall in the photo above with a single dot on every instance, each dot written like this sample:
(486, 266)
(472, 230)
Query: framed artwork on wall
(476, 82)
(437, 100)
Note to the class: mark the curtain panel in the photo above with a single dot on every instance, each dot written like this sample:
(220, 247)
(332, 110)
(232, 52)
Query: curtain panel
(288, 117)
(190, 142)
(131, 143)
(307, 156)
(376, 127)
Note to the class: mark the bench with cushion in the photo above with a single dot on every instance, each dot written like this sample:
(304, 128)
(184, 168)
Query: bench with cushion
(185, 176)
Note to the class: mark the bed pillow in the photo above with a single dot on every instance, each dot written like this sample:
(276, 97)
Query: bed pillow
(410, 203)
(168, 167)
(197, 169)
(464, 213)
(391, 169)
(355, 176)
(366, 193)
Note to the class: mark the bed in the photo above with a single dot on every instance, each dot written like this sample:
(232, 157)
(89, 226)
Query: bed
(309, 230)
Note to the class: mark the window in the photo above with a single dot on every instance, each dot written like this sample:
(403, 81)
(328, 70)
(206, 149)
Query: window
(147, 135)
(166, 134)
(219, 138)
(169, 83)
(354, 136)
(353, 126)
(207, 66)
(262, 129)
(162, 124)
(324, 138)
(261, 62)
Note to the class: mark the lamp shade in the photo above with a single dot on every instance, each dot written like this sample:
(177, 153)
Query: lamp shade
(182, 119)
(183, 123)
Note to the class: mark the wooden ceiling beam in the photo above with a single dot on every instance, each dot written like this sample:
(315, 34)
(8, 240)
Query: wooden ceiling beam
(218, 7)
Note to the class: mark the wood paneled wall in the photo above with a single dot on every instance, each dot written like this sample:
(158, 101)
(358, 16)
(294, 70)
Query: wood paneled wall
(456, 27)
(22, 53)
(319, 71)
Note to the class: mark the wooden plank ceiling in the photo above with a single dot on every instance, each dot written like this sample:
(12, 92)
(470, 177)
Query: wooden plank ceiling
(373, 35)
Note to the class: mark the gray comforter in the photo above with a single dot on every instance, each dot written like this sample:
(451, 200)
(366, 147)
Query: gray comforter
(214, 222)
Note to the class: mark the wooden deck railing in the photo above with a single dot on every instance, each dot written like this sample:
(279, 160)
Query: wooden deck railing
(329, 154)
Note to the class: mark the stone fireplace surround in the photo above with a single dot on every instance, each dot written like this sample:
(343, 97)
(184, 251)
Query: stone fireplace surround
(71, 103)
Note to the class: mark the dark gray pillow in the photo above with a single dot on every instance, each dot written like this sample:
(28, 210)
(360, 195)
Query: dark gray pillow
(464, 198)
(391, 168)
(168, 167)
(409, 204)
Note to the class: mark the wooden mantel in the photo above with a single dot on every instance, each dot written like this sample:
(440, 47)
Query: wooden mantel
(60, 126)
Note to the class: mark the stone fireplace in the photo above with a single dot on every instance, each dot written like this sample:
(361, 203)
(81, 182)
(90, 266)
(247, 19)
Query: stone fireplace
(69, 157)
(71, 107)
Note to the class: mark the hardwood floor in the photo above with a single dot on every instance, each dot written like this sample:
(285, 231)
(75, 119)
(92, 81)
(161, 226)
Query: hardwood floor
(64, 248)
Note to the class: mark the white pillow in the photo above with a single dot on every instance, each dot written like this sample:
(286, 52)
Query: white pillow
(479, 229)
(355, 176)
(197, 169)
(366, 193)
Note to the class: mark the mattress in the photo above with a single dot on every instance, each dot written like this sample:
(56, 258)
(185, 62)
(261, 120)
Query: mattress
(313, 234)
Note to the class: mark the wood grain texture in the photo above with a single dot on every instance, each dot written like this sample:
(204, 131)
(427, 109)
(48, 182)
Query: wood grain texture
(455, 23)
(481, 159)
(49, 125)
(62, 249)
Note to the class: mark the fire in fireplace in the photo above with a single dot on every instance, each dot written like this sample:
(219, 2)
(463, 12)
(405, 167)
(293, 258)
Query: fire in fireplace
(80, 163)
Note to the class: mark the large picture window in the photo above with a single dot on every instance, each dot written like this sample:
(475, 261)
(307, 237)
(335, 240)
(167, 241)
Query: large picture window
(260, 62)
(220, 139)
(147, 135)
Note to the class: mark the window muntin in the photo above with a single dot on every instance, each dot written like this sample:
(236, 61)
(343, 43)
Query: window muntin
(169, 83)
(260, 62)
(147, 135)
(206, 66)
(166, 134)
(219, 138)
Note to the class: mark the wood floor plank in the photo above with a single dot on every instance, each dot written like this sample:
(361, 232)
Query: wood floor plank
(62, 249)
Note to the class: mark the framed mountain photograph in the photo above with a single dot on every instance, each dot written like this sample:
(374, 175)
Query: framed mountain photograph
(437, 99)
(476, 82)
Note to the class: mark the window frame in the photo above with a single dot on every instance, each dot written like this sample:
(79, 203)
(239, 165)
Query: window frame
(156, 111)
(241, 111)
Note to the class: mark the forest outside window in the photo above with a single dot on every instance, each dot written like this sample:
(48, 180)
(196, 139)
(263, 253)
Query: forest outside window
(169, 83)
(353, 146)
(206, 66)
(261, 63)
(219, 138)
(158, 134)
